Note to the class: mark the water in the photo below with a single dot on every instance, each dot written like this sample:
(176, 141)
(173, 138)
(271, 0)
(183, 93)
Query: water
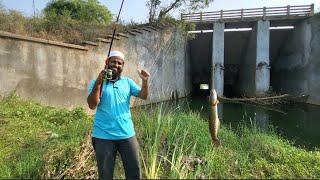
(299, 123)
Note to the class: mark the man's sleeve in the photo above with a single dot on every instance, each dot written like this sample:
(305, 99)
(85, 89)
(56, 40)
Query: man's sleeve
(134, 88)
(90, 86)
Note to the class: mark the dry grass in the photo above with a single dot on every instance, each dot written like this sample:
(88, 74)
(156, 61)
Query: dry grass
(62, 29)
(68, 30)
(83, 166)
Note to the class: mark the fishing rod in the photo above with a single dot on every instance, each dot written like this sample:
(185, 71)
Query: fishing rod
(115, 27)
(109, 73)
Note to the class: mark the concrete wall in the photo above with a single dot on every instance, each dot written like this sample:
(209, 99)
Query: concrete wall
(235, 49)
(296, 71)
(57, 74)
(246, 82)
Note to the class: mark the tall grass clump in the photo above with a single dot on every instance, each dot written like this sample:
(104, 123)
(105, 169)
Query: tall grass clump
(165, 149)
(176, 144)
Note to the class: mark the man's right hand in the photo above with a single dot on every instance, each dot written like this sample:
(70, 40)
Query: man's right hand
(94, 97)
(101, 77)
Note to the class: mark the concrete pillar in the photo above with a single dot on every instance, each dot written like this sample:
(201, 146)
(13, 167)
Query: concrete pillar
(254, 76)
(217, 75)
(262, 75)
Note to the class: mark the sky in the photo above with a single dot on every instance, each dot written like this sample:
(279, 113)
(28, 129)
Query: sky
(136, 10)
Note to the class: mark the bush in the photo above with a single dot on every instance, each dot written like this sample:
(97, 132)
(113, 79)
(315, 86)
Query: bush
(60, 27)
(12, 21)
(86, 11)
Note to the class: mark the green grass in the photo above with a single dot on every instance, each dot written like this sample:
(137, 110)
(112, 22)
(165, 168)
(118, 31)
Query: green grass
(45, 142)
(37, 140)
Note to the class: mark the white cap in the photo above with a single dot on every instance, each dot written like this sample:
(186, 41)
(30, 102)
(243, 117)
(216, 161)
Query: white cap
(116, 53)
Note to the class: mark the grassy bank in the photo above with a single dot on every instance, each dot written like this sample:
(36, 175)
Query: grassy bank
(177, 145)
(45, 142)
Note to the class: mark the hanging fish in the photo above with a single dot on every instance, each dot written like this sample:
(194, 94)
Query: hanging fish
(214, 122)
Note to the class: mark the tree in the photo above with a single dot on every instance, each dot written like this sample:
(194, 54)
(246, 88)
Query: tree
(161, 9)
(88, 11)
(1, 6)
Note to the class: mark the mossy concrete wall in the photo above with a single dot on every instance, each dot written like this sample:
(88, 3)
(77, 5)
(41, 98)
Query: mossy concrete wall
(297, 70)
(57, 74)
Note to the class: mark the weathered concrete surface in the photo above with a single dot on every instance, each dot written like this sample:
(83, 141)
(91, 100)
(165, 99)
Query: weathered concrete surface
(160, 54)
(262, 75)
(235, 50)
(58, 76)
(278, 38)
(218, 58)
(245, 85)
(254, 77)
(50, 75)
(296, 71)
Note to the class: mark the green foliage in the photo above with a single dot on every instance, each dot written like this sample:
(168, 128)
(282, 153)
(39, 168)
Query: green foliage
(52, 27)
(1, 6)
(86, 11)
(159, 9)
(181, 25)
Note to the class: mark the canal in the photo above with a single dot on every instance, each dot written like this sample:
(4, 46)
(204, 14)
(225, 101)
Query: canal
(299, 123)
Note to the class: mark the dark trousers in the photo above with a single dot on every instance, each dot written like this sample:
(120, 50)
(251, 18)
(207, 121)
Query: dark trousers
(106, 151)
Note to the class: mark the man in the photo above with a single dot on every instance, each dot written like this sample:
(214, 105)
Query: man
(113, 129)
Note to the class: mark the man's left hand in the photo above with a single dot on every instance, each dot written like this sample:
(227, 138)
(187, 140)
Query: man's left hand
(144, 74)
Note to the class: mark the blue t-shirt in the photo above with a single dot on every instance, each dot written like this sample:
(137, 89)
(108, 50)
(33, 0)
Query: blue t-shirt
(113, 117)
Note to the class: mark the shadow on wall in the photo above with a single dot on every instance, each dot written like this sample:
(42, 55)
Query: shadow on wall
(296, 71)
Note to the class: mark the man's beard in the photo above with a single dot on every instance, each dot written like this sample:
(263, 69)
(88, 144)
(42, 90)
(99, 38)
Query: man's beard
(116, 74)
